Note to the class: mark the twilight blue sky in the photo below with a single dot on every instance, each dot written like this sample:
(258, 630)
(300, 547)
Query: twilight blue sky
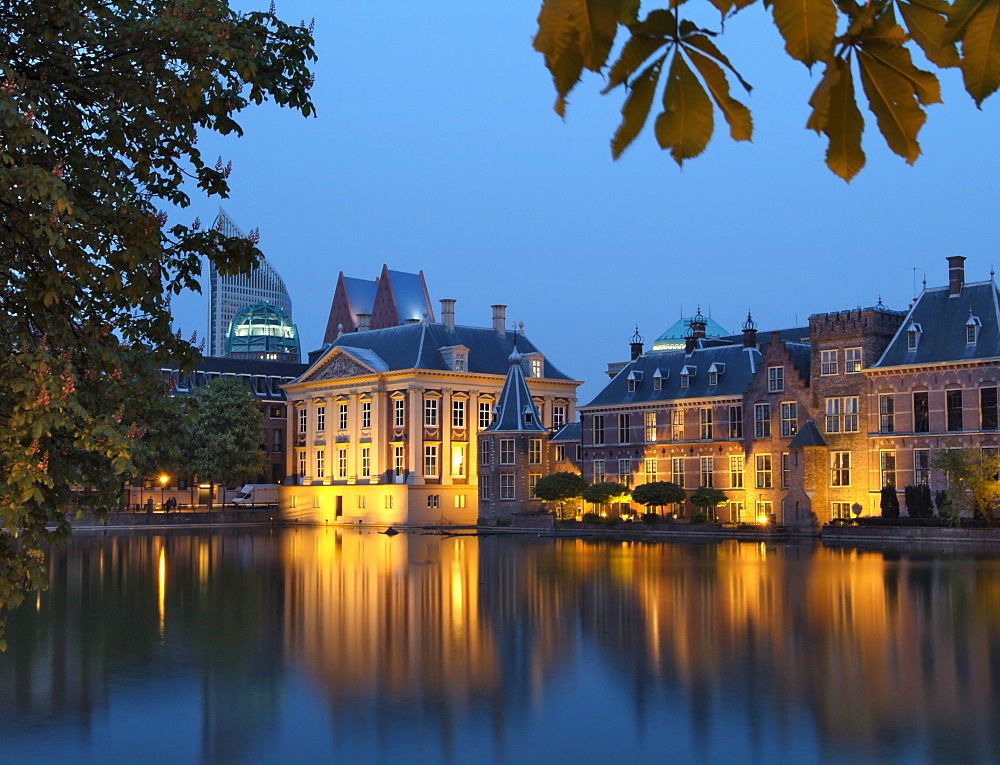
(436, 148)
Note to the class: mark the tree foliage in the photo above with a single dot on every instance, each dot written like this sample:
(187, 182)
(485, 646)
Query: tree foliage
(889, 502)
(919, 503)
(658, 494)
(971, 477)
(101, 105)
(227, 438)
(603, 492)
(706, 496)
(868, 44)
(560, 487)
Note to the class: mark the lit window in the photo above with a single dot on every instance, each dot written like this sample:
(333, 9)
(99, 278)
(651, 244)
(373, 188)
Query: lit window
(320, 419)
(399, 413)
(366, 414)
(458, 413)
(649, 466)
(625, 472)
(840, 469)
(431, 461)
(558, 416)
(650, 426)
(763, 470)
(736, 472)
(708, 471)
(705, 423)
(677, 424)
(431, 412)
(560, 453)
(536, 367)
(853, 360)
(485, 414)
(458, 460)
(535, 451)
(828, 362)
(599, 473)
(762, 421)
(789, 418)
(922, 466)
(399, 460)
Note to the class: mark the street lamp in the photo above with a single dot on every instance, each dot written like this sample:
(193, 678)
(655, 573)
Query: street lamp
(163, 483)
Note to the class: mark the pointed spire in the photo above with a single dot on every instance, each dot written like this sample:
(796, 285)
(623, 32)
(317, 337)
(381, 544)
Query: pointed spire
(515, 409)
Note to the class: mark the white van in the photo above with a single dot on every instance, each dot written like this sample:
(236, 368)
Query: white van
(257, 494)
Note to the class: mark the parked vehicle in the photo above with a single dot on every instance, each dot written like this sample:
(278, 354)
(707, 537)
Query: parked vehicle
(257, 494)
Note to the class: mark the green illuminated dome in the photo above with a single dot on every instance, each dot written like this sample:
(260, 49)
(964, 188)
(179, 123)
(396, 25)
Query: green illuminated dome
(263, 331)
(673, 338)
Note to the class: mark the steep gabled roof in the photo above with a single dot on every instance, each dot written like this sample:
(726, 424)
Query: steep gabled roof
(942, 320)
(572, 431)
(740, 364)
(808, 435)
(515, 410)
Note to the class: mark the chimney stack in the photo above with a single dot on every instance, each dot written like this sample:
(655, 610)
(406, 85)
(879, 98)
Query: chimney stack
(499, 319)
(636, 344)
(698, 325)
(956, 274)
(448, 313)
(749, 332)
(364, 322)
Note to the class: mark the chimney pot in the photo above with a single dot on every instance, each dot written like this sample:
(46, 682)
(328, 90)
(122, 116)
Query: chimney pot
(500, 319)
(956, 274)
(448, 313)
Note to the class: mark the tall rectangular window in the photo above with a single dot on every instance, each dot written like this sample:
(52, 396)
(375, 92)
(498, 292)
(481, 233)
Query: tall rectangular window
(705, 423)
(507, 486)
(649, 465)
(922, 466)
(558, 416)
(599, 473)
(840, 509)
(430, 412)
(887, 467)
(763, 470)
(341, 463)
(278, 442)
(762, 420)
(431, 460)
(398, 413)
(786, 470)
(953, 409)
(484, 486)
(560, 453)
(625, 472)
(506, 451)
(484, 452)
(886, 413)
(532, 482)
(320, 463)
(853, 360)
(840, 469)
(677, 471)
(598, 429)
(677, 424)
(399, 459)
(775, 379)
(366, 414)
(624, 428)
(850, 407)
(303, 415)
(458, 413)
(736, 421)
(789, 418)
(342, 416)
(828, 362)
(988, 408)
(650, 426)
(366, 462)
(833, 423)
(485, 414)
(320, 419)
(708, 471)
(302, 463)
(921, 412)
(736, 472)
(534, 451)
(458, 460)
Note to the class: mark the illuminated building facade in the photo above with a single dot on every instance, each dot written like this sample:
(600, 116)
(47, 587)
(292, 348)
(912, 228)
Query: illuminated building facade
(385, 421)
(228, 294)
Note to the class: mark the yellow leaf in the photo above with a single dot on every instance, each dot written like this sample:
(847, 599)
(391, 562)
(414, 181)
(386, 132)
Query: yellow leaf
(807, 26)
(844, 126)
(892, 100)
(635, 110)
(736, 114)
(981, 52)
(686, 123)
(926, 26)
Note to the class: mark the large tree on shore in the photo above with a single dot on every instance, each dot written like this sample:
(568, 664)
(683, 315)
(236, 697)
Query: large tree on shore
(863, 53)
(101, 105)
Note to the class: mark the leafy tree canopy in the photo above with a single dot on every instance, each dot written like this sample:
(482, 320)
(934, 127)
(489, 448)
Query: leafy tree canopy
(227, 439)
(868, 44)
(659, 493)
(971, 477)
(560, 487)
(603, 492)
(101, 105)
(707, 496)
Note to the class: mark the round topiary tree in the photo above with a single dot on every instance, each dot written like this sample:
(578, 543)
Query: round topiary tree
(658, 494)
(708, 499)
(604, 492)
(560, 487)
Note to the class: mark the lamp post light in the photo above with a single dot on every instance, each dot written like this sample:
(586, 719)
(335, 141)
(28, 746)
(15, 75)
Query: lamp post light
(163, 484)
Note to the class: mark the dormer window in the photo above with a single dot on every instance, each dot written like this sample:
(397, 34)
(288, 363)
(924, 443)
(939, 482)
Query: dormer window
(634, 378)
(527, 416)
(913, 333)
(456, 357)
(972, 330)
(687, 372)
(657, 380)
(714, 371)
(461, 362)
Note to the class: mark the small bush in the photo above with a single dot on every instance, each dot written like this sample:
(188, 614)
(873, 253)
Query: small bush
(650, 518)
(504, 522)
(700, 518)
(592, 518)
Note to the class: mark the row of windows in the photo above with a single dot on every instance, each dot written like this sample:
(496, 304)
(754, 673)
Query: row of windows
(431, 465)
(506, 452)
(431, 415)
(954, 410)
(507, 486)
(733, 427)
(388, 501)
(853, 361)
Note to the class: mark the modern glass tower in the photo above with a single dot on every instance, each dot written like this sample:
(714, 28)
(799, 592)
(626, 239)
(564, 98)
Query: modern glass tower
(228, 294)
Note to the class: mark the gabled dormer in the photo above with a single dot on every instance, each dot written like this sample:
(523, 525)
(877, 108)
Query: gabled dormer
(456, 357)
(534, 364)
(687, 372)
(634, 379)
(714, 371)
(658, 378)
(913, 333)
(972, 327)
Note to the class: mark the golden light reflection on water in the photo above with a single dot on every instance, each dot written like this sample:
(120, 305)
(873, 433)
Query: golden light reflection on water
(162, 588)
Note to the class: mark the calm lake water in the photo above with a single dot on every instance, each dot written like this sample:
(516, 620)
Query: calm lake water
(259, 646)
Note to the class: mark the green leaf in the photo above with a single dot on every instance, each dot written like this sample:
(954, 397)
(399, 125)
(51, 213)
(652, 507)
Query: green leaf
(686, 123)
(925, 21)
(981, 52)
(836, 115)
(635, 110)
(577, 34)
(807, 26)
(737, 115)
(892, 100)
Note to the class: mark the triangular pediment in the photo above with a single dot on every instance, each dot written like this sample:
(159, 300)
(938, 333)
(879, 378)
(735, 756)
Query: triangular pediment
(345, 362)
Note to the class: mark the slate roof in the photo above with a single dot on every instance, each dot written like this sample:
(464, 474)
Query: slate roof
(571, 432)
(942, 320)
(739, 366)
(360, 294)
(808, 435)
(515, 409)
(408, 291)
(416, 346)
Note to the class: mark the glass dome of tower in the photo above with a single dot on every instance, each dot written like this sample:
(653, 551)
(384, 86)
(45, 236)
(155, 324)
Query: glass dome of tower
(263, 331)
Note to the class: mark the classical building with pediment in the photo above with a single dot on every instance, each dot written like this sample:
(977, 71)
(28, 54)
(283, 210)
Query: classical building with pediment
(384, 425)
